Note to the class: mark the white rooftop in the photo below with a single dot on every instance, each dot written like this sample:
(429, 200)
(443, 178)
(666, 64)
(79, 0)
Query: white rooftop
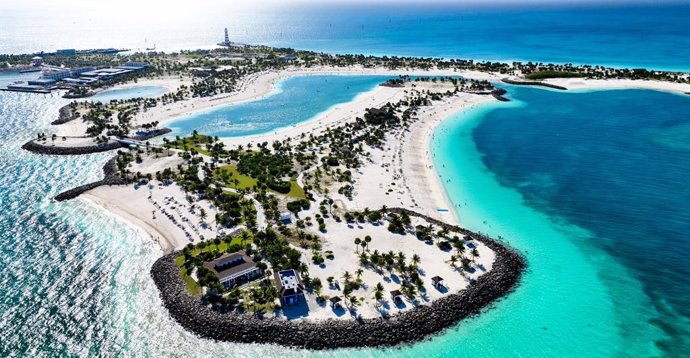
(288, 279)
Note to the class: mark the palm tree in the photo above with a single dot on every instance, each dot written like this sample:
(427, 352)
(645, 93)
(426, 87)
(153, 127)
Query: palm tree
(202, 214)
(354, 301)
(359, 273)
(378, 292)
(244, 236)
(378, 296)
(363, 258)
(347, 276)
(459, 247)
(378, 288)
(367, 240)
(453, 260)
(375, 258)
(357, 242)
(366, 212)
(415, 261)
(474, 253)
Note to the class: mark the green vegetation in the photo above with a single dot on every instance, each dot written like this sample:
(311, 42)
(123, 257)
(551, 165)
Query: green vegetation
(542, 75)
(196, 144)
(192, 287)
(270, 169)
(233, 178)
(296, 191)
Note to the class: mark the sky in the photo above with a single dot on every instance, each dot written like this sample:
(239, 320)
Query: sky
(27, 4)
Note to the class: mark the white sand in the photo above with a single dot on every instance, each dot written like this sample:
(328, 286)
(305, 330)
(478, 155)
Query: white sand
(135, 206)
(592, 84)
(406, 161)
(433, 262)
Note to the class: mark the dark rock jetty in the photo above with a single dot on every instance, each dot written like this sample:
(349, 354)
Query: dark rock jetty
(417, 324)
(38, 148)
(533, 83)
(65, 115)
(110, 178)
(498, 94)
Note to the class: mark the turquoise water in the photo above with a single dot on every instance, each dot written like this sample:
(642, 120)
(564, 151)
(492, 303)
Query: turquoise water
(129, 93)
(77, 280)
(643, 34)
(610, 162)
(295, 99)
(590, 186)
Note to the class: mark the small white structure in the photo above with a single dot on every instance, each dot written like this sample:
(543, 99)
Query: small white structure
(290, 288)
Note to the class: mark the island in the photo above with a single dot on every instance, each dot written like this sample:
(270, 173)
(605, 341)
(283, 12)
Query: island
(334, 232)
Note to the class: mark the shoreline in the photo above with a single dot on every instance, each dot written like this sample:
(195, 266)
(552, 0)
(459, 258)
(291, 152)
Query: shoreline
(414, 325)
(189, 313)
(266, 82)
(123, 214)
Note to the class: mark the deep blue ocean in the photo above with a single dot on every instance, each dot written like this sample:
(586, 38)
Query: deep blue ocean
(591, 186)
(652, 34)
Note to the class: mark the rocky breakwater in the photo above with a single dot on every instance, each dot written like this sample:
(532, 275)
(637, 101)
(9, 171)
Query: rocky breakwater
(51, 149)
(532, 83)
(498, 94)
(65, 115)
(110, 178)
(414, 325)
(40, 148)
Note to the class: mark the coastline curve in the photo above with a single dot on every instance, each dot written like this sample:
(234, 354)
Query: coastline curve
(415, 325)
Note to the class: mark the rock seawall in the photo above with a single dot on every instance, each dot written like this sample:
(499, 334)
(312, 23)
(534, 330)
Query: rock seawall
(65, 115)
(414, 325)
(533, 83)
(110, 178)
(498, 94)
(37, 148)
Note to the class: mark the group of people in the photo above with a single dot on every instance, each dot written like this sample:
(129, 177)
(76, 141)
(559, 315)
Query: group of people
(175, 206)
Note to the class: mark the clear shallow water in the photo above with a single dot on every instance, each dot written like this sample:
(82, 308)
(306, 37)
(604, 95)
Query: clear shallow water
(296, 99)
(76, 279)
(652, 35)
(129, 93)
(610, 162)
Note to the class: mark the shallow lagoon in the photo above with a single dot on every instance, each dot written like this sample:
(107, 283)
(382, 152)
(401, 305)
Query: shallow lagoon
(129, 93)
(590, 187)
(578, 298)
(295, 99)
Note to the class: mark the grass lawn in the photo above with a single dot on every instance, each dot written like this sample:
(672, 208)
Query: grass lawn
(192, 287)
(296, 191)
(188, 142)
(229, 172)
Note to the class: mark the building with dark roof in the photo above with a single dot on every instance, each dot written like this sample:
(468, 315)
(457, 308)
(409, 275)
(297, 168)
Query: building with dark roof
(290, 287)
(234, 269)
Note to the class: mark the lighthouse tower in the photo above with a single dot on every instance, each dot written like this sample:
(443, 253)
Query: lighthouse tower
(226, 42)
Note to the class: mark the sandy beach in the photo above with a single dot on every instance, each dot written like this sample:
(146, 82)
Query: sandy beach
(161, 211)
(399, 174)
(407, 157)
